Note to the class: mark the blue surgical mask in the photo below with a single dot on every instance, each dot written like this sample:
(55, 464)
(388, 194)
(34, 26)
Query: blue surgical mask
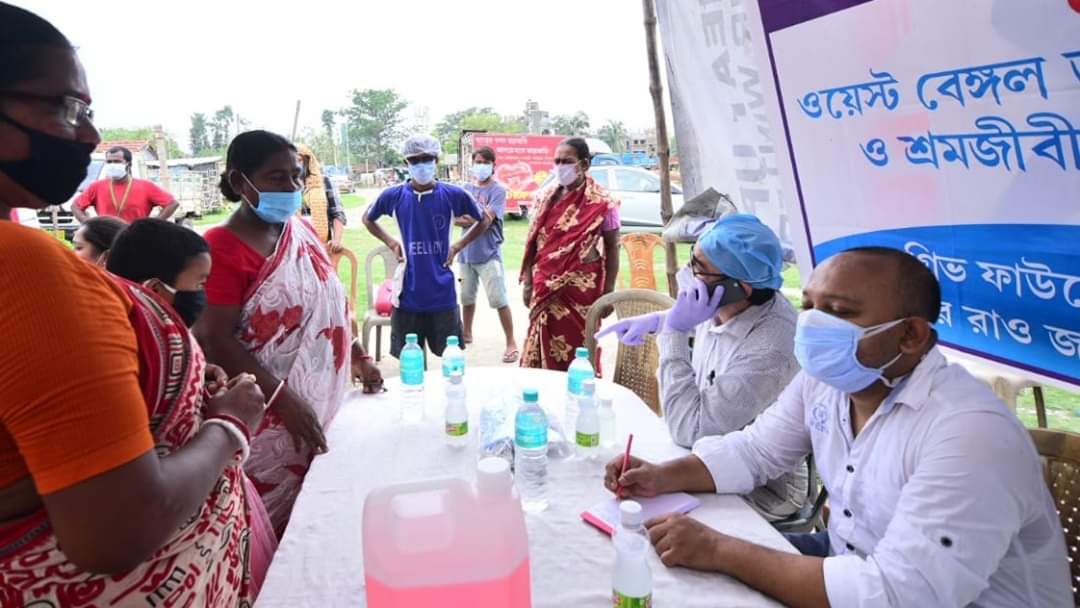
(827, 349)
(481, 171)
(423, 173)
(275, 207)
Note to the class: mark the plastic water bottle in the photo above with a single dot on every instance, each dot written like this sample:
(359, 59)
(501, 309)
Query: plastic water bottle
(580, 371)
(587, 435)
(632, 580)
(457, 413)
(530, 452)
(453, 358)
(412, 379)
(606, 414)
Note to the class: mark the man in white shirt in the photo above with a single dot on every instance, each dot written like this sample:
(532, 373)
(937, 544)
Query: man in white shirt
(937, 493)
(743, 355)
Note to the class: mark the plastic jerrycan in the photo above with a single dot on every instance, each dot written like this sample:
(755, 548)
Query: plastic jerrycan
(447, 543)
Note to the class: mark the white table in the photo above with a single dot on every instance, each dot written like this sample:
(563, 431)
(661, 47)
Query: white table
(320, 564)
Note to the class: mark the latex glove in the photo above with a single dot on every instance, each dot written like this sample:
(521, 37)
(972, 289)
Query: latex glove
(693, 307)
(632, 331)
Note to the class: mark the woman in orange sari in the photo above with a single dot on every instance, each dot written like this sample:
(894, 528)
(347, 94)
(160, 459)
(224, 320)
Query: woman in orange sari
(571, 258)
(117, 486)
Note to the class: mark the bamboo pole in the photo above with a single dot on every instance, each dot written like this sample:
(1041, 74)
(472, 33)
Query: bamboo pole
(295, 120)
(663, 152)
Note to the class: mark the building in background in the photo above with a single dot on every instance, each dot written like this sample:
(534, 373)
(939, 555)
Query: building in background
(537, 121)
(643, 142)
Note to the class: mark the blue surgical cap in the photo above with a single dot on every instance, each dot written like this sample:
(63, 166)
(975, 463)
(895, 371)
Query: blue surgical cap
(745, 249)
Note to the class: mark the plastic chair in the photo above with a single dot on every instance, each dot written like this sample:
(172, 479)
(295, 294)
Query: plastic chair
(1060, 451)
(640, 248)
(372, 319)
(635, 366)
(335, 259)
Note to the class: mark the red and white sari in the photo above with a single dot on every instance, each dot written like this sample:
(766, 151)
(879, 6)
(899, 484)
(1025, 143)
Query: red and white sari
(212, 560)
(294, 322)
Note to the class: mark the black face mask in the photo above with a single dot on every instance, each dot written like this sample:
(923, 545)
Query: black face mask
(733, 291)
(189, 305)
(54, 169)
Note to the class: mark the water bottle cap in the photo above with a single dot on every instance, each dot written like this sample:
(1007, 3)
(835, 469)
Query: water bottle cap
(455, 377)
(630, 513)
(410, 338)
(588, 388)
(582, 352)
(451, 341)
(530, 395)
(493, 477)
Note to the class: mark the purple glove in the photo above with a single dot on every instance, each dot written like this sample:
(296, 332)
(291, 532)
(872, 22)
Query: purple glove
(632, 331)
(693, 307)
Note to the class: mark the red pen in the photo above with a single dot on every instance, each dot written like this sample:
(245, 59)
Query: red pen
(625, 463)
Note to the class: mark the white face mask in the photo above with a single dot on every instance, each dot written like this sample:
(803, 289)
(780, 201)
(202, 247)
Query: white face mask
(115, 171)
(567, 174)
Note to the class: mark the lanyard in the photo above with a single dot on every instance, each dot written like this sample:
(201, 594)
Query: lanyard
(123, 200)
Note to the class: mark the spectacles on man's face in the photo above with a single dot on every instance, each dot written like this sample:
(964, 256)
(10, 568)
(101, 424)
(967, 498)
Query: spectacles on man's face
(74, 111)
(699, 270)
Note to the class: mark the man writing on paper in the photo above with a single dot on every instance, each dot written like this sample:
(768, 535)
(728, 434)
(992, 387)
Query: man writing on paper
(937, 493)
(743, 354)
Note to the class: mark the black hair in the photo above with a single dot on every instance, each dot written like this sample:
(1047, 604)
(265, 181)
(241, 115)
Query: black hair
(122, 150)
(152, 248)
(247, 152)
(22, 35)
(919, 291)
(101, 230)
(580, 146)
(485, 153)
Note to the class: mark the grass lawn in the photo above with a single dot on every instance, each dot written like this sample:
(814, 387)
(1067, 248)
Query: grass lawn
(1060, 404)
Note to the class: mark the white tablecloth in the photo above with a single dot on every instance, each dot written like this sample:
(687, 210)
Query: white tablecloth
(320, 564)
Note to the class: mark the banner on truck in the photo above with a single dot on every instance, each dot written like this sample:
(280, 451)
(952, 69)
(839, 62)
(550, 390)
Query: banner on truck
(950, 130)
(523, 162)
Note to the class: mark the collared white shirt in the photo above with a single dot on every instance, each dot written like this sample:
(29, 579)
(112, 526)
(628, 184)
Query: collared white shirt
(939, 501)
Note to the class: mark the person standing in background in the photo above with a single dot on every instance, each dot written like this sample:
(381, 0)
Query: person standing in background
(481, 260)
(121, 195)
(321, 201)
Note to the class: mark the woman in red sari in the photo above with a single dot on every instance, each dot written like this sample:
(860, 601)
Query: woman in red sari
(571, 258)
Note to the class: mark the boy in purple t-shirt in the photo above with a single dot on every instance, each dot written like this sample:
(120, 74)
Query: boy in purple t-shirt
(481, 260)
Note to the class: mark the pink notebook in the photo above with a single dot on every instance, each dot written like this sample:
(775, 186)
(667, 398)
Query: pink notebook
(605, 515)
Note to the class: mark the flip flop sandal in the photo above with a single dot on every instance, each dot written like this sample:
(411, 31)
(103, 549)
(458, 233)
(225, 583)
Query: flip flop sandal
(511, 357)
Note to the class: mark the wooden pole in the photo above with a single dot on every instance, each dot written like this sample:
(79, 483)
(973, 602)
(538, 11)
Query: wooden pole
(663, 151)
(295, 120)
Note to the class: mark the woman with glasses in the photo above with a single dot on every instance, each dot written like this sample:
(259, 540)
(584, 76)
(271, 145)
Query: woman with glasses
(120, 477)
(571, 258)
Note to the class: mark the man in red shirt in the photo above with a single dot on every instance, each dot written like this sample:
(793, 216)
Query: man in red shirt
(121, 195)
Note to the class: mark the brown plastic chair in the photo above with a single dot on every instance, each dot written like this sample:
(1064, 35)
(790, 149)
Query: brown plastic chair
(635, 366)
(372, 319)
(640, 248)
(335, 258)
(1060, 451)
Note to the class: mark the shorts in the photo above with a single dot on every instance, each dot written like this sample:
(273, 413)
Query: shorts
(492, 275)
(431, 329)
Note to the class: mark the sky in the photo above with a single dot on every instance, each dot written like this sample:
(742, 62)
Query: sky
(158, 62)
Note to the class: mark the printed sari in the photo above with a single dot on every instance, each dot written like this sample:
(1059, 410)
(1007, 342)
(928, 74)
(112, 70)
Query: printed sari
(566, 248)
(208, 560)
(294, 322)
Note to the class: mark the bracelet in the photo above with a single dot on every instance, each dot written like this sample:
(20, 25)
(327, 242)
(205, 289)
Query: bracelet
(244, 428)
(235, 433)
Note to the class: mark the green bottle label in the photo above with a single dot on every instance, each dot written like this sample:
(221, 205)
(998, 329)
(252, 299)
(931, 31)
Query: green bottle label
(619, 600)
(588, 440)
(457, 429)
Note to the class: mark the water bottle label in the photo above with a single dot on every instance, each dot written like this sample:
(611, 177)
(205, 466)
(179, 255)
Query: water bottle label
(531, 437)
(457, 429)
(449, 367)
(619, 600)
(588, 440)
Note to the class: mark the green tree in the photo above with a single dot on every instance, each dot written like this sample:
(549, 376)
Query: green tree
(374, 120)
(614, 134)
(220, 127)
(448, 130)
(200, 140)
(140, 134)
(321, 143)
(329, 119)
(571, 124)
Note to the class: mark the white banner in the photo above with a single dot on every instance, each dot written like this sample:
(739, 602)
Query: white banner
(719, 105)
(949, 129)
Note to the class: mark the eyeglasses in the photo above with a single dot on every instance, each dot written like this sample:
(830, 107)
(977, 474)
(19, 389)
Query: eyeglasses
(75, 110)
(698, 268)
